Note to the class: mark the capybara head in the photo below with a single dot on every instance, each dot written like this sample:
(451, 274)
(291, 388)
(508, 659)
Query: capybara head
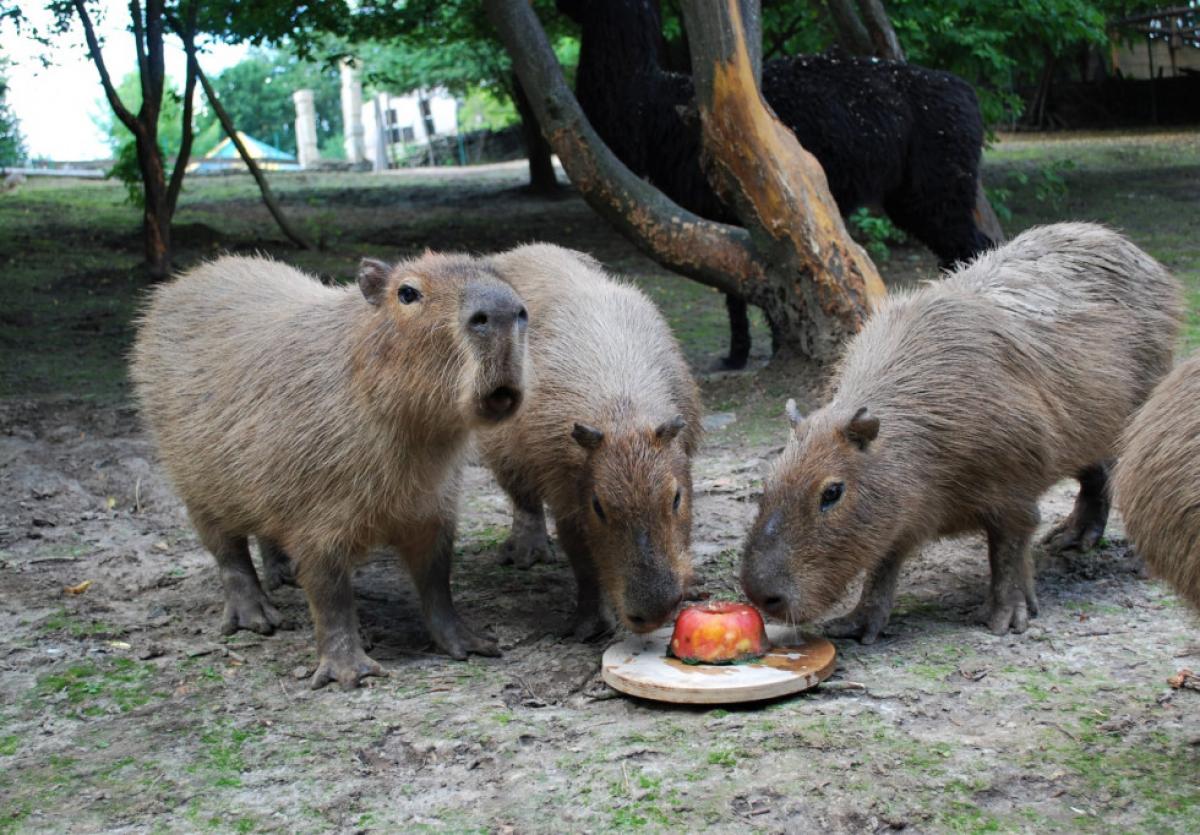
(821, 519)
(452, 322)
(635, 503)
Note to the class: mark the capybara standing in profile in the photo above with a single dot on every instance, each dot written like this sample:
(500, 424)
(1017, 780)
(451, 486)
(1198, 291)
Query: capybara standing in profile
(953, 410)
(605, 439)
(326, 420)
(1157, 480)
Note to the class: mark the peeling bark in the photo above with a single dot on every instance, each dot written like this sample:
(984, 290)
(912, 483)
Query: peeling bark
(822, 285)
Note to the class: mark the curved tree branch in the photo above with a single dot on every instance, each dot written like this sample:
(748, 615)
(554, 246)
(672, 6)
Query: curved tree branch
(110, 92)
(711, 253)
(187, 34)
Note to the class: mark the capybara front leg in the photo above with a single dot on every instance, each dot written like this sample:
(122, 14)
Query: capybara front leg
(1012, 600)
(1085, 526)
(874, 608)
(528, 542)
(276, 565)
(429, 553)
(340, 655)
(246, 605)
(591, 619)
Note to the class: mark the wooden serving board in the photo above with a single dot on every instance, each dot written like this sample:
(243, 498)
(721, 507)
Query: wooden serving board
(640, 666)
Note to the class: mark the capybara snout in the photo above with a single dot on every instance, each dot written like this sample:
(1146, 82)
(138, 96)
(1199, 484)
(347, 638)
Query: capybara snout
(495, 321)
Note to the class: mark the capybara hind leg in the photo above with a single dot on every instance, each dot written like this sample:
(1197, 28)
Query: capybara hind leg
(429, 552)
(591, 619)
(874, 608)
(340, 656)
(1085, 526)
(276, 565)
(246, 605)
(1012, 599)
(528, 542)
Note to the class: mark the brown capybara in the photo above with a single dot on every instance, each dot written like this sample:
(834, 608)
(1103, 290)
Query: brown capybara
(954, 409)
(1157, 480)
(327, 420)
(605, 439)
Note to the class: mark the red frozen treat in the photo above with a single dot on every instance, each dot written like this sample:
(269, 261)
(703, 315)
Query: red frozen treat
(719, 633)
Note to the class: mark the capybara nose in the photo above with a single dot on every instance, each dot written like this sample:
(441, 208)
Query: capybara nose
(765, 595)
(501, 402)
(489, 309)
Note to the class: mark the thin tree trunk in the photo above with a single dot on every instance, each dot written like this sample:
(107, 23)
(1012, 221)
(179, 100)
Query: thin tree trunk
(542, 179)
(852, 34)
(821, 285)
(879, 27)
(231, 131)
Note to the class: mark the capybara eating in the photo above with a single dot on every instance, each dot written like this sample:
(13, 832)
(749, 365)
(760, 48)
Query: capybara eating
(953, 410)
(605, 440)
(327, 420)
(1157, 480)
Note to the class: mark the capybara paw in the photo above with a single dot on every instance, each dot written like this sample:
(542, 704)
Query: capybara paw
(1010, 613)
(249, 611)
(277, 574)
(458, 641)
(1073, 535)
(347, 669)
(588, 626)
(525, 551)
(866, 627)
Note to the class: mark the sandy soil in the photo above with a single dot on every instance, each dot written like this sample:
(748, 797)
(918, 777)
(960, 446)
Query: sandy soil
(122, 709)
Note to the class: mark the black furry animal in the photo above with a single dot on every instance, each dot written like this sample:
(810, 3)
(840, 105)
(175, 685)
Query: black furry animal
(888, 134)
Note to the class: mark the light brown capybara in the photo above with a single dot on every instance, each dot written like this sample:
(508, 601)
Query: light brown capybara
(327, 420)
(605, 440)
(1157, 480)
(953, 410)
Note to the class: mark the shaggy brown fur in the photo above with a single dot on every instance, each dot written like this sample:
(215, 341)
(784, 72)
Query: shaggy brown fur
(954, 409)
(606, 439)
(324, 421)
(1157, 480)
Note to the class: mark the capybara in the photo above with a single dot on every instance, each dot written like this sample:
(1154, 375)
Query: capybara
(1157, 480)
(327, 420)
(605, 439)
(954, 409)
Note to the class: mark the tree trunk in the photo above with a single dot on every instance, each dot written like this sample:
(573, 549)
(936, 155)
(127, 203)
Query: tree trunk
(267, 196)
(879, 27)
(542, 179)
(852, 34)
(821, 285)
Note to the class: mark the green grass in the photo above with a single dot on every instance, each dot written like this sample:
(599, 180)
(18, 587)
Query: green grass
(94, 689)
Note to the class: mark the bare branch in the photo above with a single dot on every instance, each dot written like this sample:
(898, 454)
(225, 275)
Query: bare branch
(231, 131)
(110, 92)
(187, 34)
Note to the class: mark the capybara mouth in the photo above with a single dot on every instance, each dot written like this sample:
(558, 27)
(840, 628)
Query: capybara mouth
(501, 402)
(641, 624)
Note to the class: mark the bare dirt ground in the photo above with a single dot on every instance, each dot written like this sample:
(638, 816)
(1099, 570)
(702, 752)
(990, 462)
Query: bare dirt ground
(123, 709)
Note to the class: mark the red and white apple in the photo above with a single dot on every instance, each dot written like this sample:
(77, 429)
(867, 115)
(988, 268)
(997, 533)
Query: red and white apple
(719, 633)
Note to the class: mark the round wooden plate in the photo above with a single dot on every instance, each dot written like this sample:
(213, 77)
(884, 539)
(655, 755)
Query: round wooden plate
(640, 666)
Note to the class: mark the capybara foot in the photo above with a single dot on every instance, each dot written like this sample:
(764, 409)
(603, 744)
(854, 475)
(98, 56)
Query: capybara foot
(250, 609)
(453, 637)
(525, 549)
(589, 625)
(1075, 533)
(347, 667)
(277, 573)
(1010, 611)
(866, 625)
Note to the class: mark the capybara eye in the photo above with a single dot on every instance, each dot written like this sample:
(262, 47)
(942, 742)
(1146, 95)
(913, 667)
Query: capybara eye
(831, 494)
(678, 499)
(596, 506)
(408, 295)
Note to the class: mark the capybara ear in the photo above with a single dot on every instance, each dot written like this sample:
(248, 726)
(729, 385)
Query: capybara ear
(668, 430)
(372, 279)
(587, 437)
(862, 428)
(793, 412)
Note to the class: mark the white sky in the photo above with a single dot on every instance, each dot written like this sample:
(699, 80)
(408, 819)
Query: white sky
(57, 105)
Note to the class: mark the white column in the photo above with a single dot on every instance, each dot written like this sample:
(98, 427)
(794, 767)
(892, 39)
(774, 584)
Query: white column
(306, 128)
(352, 104)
